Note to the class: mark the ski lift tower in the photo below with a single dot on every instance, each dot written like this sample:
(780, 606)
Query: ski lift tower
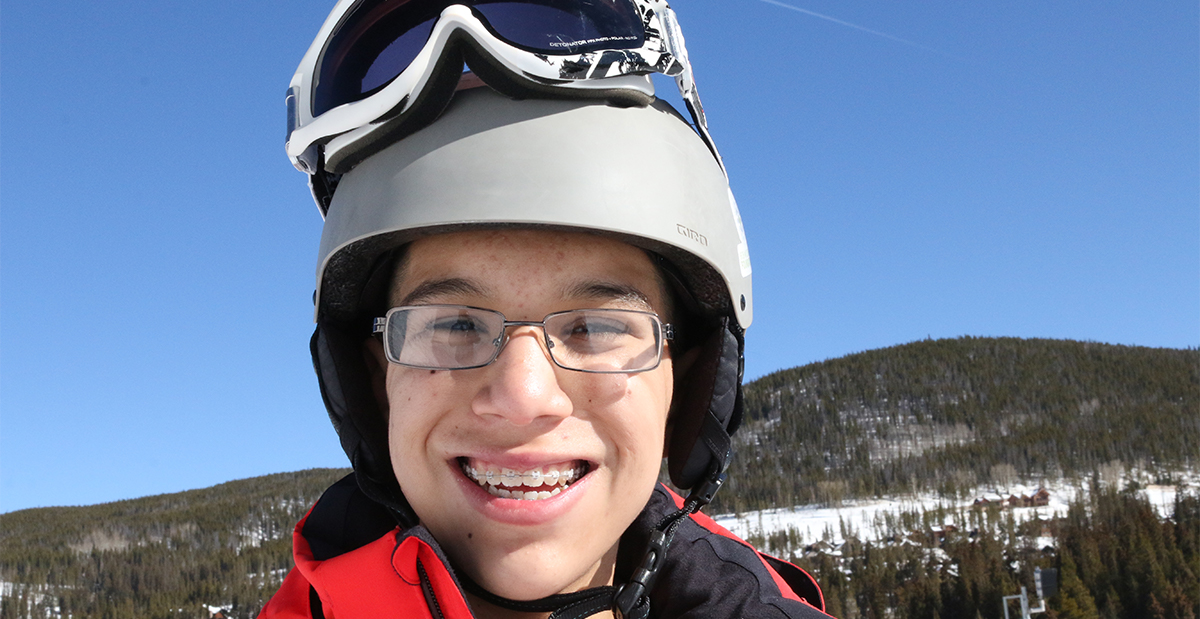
(1046, 584)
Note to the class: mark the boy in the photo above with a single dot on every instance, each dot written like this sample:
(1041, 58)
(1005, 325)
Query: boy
(523, 305)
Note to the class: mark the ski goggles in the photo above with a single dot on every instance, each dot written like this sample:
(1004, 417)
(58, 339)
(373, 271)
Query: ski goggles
(381, 69)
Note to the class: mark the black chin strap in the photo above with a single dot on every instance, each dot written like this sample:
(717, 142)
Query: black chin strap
(564, 605)
(630, 600)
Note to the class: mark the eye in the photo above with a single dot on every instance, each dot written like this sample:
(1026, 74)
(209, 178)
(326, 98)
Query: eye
(457, 324)
(593, 333)
(457, 329)
(593, 327)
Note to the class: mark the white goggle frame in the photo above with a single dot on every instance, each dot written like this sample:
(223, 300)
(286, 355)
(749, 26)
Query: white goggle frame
(339, 129)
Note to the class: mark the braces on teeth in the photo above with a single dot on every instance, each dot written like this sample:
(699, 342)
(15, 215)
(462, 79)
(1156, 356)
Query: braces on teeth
(499, 483)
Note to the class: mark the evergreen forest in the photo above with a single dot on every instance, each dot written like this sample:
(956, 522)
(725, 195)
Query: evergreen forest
(941, 416)
(950, 415)
(156, 557)
(1115, 558)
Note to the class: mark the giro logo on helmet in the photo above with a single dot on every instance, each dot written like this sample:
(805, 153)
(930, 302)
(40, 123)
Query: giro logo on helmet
(691, 234)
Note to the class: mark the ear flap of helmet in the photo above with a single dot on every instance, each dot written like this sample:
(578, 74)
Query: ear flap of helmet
(349, 398)
(710, 410)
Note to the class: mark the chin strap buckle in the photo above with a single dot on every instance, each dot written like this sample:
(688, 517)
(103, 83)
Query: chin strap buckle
(703, 493)
(631, 601)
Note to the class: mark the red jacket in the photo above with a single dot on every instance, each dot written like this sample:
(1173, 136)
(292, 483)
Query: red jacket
(352, 562)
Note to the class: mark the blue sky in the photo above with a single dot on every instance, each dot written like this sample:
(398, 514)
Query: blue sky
(904, 170)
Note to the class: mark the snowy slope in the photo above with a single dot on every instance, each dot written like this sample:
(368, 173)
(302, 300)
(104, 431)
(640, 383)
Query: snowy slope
(870, 520)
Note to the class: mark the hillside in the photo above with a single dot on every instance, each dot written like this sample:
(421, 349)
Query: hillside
(228, 545)
(939, 416)
(949, 415)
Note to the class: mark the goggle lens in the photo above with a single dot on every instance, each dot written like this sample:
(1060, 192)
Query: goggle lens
(378, 40)
(565, 26)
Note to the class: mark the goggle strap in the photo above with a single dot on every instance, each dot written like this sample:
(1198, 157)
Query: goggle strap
(701, 127)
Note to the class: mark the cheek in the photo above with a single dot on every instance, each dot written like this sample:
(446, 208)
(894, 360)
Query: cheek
(629, 412)
(593, 392)
(652, 404)
(411, 393)
(412, 410)
(647, 392)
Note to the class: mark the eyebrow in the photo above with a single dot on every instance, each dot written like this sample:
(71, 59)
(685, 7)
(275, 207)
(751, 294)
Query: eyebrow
(438, 287)
(594, 289)
(612, 291)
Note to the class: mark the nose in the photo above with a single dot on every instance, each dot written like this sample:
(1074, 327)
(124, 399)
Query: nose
(522, 383)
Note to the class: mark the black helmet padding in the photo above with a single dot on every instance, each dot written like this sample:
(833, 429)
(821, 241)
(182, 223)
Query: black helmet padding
(709, 411)
(345, 380)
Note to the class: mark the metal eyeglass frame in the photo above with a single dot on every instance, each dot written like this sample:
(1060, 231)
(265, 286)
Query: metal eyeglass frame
(665, 330)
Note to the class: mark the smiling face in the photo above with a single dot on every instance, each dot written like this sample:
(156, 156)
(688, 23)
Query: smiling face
(525, 472)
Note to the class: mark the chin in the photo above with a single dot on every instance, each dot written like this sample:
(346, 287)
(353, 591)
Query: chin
(531, 574)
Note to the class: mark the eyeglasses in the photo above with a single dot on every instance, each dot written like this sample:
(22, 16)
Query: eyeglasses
(458, 337)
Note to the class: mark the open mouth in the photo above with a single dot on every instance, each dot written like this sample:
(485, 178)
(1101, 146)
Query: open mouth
(532, 485)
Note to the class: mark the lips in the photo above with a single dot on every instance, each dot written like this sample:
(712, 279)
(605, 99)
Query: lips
(535, 484)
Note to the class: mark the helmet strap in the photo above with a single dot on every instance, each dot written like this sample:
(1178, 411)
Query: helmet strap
(322, 184)
(579, 604)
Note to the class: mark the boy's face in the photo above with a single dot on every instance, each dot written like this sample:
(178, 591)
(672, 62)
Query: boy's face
(602, 433)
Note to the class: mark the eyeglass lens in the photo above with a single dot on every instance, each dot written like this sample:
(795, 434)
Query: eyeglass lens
(458, 337)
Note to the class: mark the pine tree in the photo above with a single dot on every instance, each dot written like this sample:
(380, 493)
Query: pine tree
(1074, 601)
(1155, 609)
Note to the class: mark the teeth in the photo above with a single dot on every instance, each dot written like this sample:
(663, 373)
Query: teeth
(534, 485)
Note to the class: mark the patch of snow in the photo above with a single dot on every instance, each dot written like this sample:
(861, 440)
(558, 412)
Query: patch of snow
(41, 596)
(1162, 498)
(876, 519)
(813, 523)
